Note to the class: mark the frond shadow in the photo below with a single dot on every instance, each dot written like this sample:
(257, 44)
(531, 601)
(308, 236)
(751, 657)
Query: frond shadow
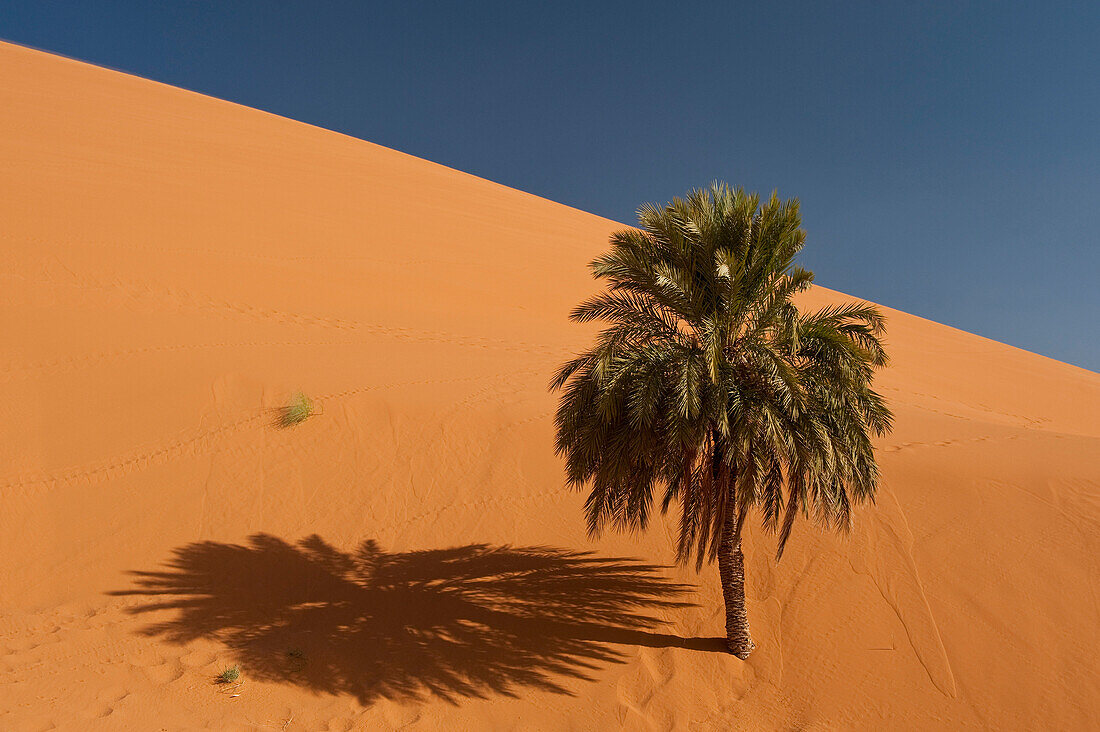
(468, 621)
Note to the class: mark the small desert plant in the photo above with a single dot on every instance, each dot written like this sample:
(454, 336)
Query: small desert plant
(229, 675)
(299, 410)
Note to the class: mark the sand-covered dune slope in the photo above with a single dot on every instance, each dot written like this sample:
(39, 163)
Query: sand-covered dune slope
(175, 267)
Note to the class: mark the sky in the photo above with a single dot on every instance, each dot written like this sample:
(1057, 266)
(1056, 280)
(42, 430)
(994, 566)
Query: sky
(947, 155)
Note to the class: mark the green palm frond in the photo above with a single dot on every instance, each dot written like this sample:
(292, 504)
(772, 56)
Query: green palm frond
(708, 384)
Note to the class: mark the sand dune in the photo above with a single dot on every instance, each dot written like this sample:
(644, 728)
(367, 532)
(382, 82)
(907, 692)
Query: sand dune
(175, 267)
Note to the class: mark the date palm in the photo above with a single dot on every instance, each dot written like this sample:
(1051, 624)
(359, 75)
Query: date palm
(709, 386)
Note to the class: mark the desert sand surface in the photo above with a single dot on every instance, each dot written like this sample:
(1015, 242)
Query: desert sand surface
(176, 267)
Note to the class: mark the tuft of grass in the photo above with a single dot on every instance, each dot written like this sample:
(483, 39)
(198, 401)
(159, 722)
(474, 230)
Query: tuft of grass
(299, 410)
(229, 675)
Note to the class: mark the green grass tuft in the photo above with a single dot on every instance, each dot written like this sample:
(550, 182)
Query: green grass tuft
(229, 675)
(299, 410)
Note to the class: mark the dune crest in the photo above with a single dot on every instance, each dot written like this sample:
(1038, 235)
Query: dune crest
(176, 268)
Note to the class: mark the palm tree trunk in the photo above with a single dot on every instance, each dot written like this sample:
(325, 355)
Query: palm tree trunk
(731, 568)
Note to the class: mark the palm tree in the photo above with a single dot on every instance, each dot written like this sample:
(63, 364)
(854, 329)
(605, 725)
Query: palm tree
(710, 383)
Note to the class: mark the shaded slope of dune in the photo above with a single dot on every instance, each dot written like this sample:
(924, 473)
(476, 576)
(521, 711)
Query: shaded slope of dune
(175, 268)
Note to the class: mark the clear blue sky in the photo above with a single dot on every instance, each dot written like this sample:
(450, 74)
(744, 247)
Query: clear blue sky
(947, 155)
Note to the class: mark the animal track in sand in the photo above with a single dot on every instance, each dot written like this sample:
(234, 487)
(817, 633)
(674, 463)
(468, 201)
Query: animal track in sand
(199, 659)
(633, 692)
(197, 443)
(108, 701)
(113, 694)
(882, 540)
(37, 368)
(190, 301)
(636, 689)
(505, 500)
(122, 466)
(944, 443)
(144, 658)
(399, 716)
(659, 664)
(165, 673)
(43, 242)
(1026, 421)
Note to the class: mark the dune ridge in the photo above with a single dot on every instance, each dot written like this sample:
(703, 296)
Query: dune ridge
(176, 267)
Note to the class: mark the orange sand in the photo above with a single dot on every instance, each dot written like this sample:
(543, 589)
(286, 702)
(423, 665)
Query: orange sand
(175, 266)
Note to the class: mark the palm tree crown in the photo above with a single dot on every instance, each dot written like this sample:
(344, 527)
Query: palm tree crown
(709, 383)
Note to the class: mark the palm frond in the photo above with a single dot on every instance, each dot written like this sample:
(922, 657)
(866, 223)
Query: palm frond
(709, 384)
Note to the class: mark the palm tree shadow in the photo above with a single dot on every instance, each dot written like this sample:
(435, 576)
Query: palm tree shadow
(462, 622)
